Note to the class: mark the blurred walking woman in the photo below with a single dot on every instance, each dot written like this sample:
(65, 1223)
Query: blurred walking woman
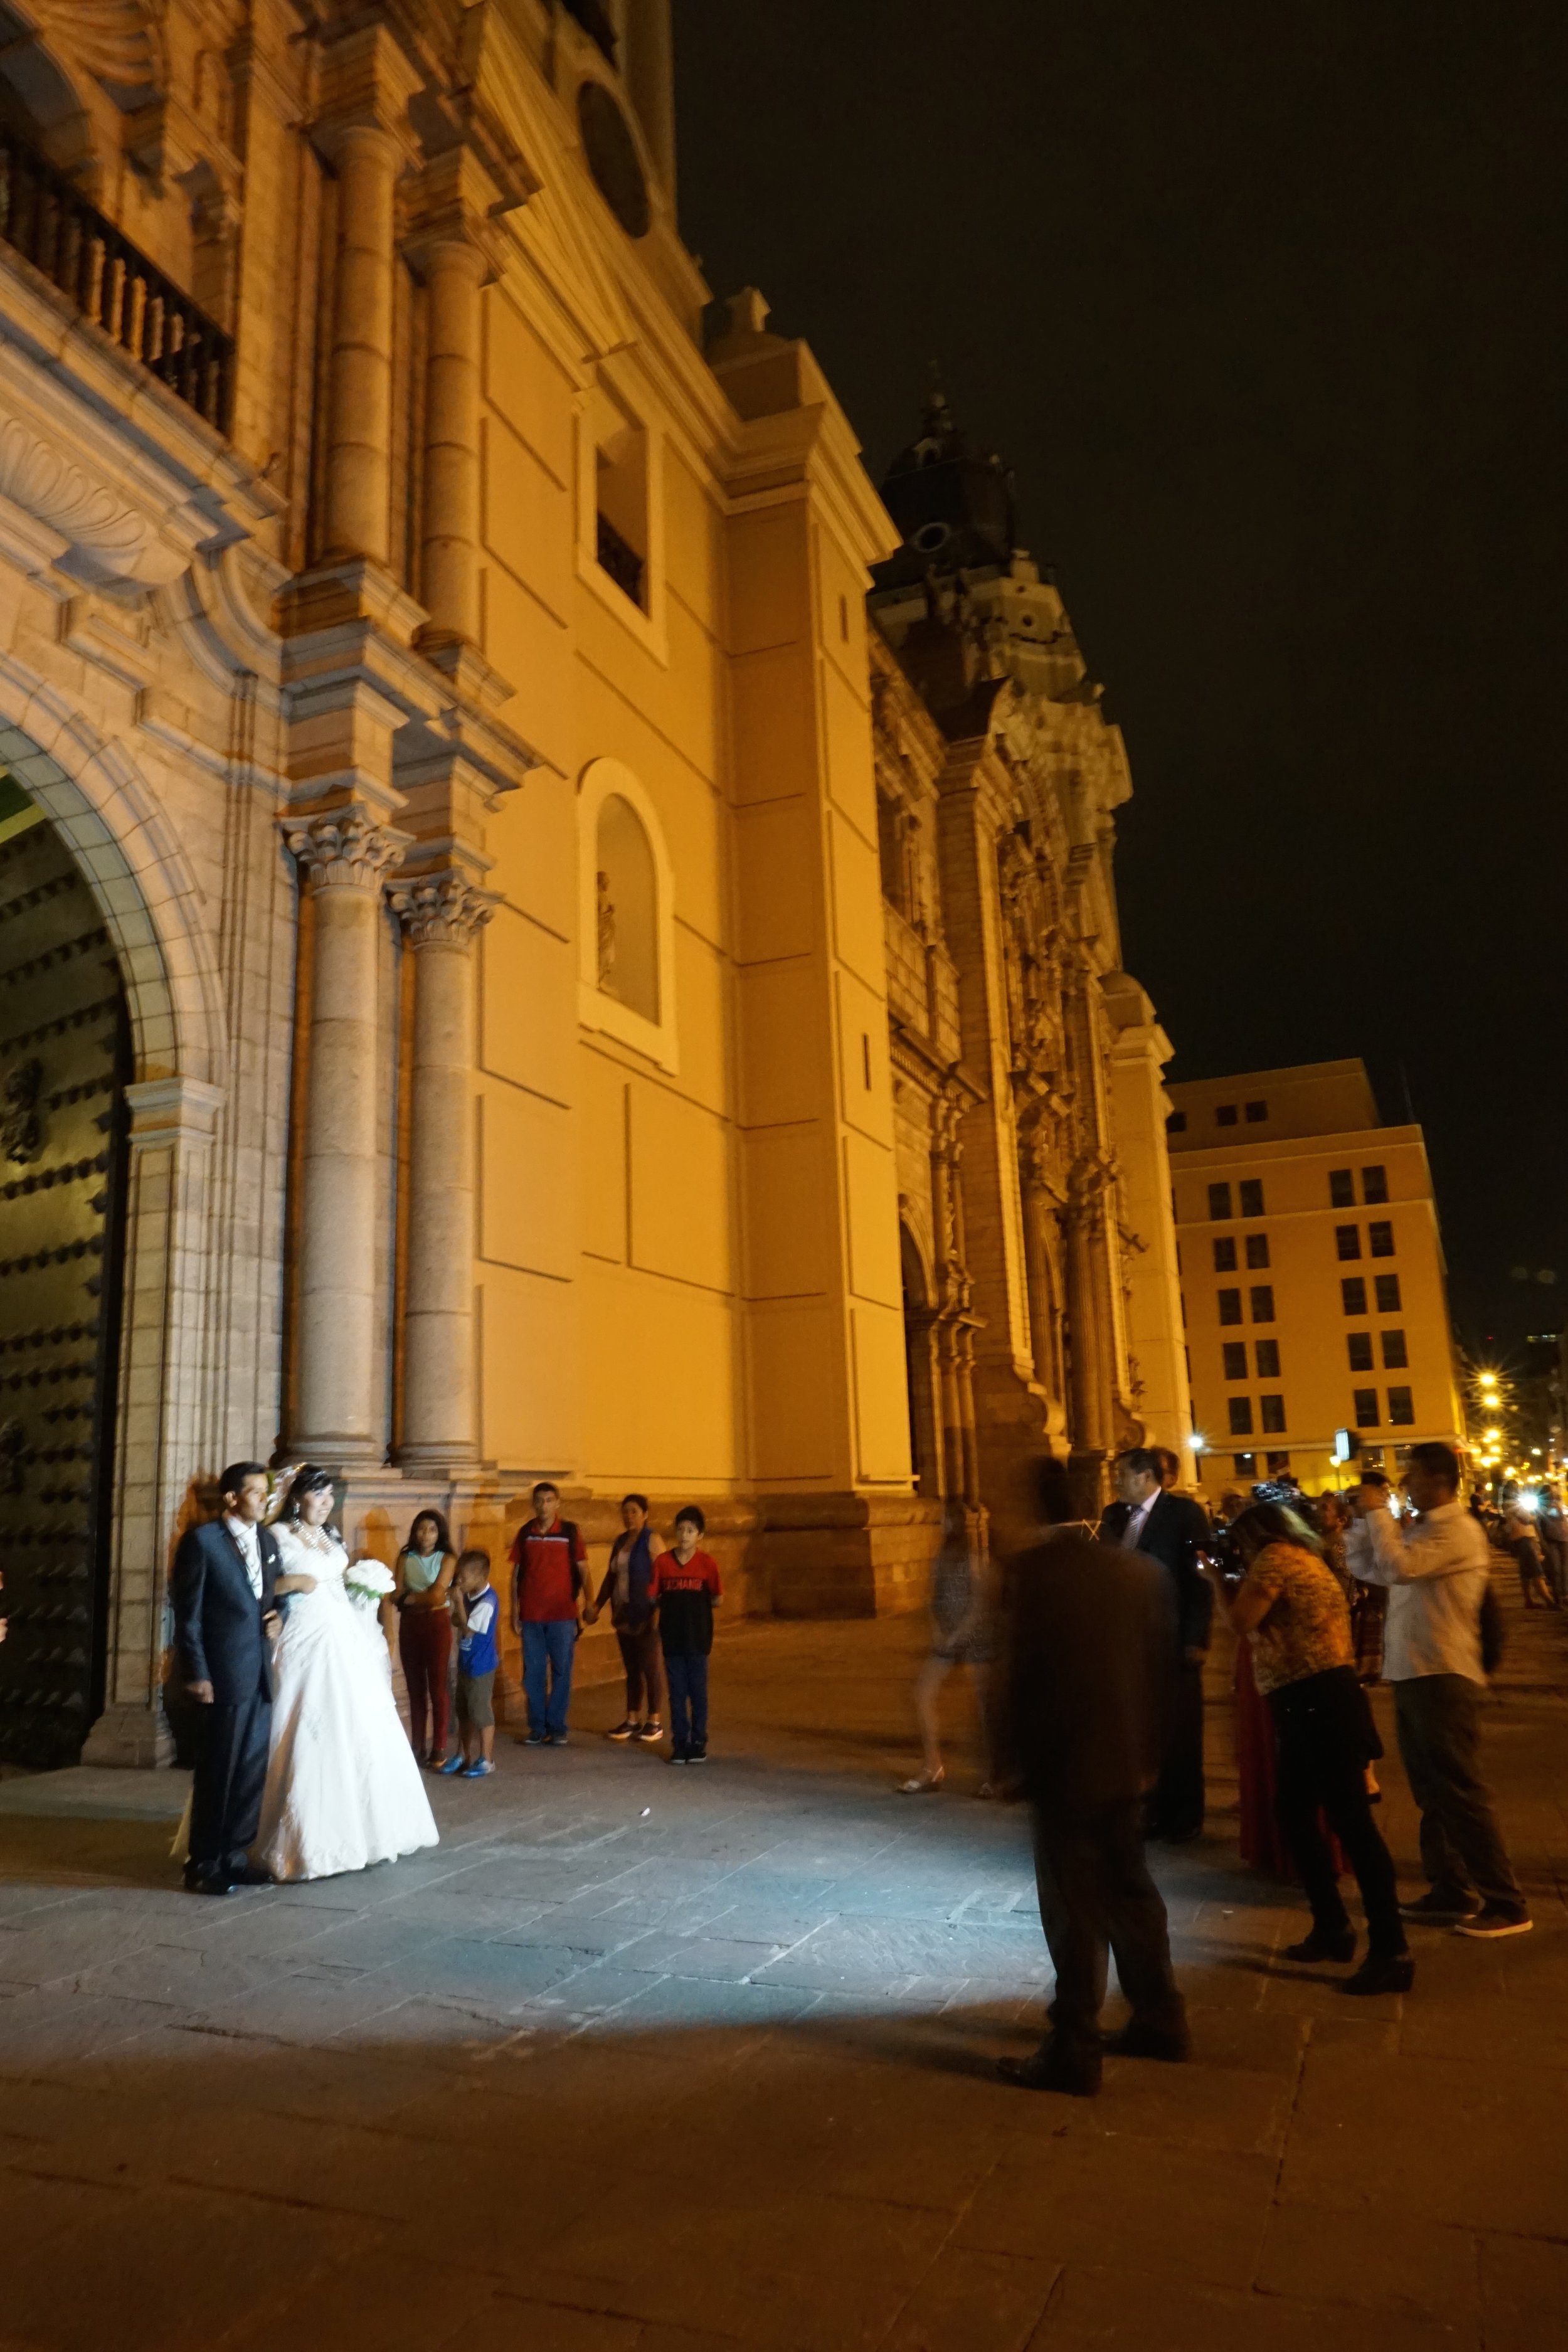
(426, 1567)
(1293, 1612)
(627, 1588)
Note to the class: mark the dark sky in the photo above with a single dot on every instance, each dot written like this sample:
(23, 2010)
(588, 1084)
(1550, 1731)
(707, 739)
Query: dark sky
(1265, 306)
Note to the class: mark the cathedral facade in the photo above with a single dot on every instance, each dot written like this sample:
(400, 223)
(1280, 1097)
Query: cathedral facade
(513, 963)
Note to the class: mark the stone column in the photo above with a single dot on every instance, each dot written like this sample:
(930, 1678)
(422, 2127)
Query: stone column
(441, 913)
(339, 1414)
(359, 428)
(454, 272)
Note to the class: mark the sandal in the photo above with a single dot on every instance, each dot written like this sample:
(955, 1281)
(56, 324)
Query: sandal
(924, 1784)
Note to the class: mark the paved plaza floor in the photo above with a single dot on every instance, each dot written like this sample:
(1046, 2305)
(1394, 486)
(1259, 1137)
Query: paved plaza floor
(647, 2059)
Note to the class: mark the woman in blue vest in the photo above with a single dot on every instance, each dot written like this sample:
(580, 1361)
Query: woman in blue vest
(625, 1587)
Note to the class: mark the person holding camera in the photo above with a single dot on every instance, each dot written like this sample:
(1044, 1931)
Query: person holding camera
(1437, 1571)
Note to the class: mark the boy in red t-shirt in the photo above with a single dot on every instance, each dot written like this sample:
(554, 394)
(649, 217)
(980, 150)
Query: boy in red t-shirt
(551, 1577)
(685, 1591)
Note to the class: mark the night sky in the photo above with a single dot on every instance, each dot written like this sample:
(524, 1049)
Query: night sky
(1264, 307)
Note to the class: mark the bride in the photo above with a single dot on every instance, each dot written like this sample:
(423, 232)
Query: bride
(343, 1787)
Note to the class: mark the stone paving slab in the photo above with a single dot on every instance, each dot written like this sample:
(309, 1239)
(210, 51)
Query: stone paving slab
(681, 2062)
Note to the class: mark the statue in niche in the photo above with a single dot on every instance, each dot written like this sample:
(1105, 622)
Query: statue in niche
(607, 918)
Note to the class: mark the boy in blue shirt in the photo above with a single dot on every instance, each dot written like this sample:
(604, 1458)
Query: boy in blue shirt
(478, 1614)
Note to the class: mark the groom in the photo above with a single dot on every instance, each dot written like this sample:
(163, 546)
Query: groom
(224, 1610)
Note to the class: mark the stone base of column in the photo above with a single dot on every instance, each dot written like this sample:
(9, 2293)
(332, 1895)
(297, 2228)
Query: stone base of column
(440, 1464)
(352, 588)
(132, 1738)
(842, 1555)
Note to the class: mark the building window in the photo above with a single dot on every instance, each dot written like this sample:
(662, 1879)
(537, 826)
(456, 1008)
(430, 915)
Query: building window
(1365, 1408)
(1267, 1353)
(1219, 1203)
(1347, 1240)
(1224, 1254)
(620, 495)
(1359, 1346)
(1373, 1185)
(1342, 1189)
(1352, 1295)
(1256, 1111)
(1224, 1115)
(1241, 1416)
(1278, 1463)
(1272, 1409)
(1400, 1407)
(1245, 1465)
(1230, 1306)
(1177, 1123)
(1394, 1357)
(1256, 1249)
(1380, 1238)
(1262, 1298)
(1372, 1457)
(1388, 1294)
(1251, 1196)
(1235, 1352)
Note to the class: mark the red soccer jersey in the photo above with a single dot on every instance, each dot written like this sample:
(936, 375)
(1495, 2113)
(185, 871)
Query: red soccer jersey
(545, 1585)
(686, 1591)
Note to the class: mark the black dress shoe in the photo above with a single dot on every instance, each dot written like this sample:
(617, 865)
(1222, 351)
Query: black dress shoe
(1139, 2040)
(1321, 1945)
(1393, 1972)
(1050, 2069)
(208, 1882)
(251, 1876)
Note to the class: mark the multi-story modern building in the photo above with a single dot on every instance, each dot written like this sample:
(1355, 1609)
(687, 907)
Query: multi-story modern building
(1313, 1274)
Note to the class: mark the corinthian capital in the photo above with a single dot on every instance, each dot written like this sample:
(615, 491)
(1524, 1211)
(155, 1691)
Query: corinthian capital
(443, 909)
(345, 851)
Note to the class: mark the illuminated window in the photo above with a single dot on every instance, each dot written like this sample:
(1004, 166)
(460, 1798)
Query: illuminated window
(1224, 1254)
(1235, 1352)
(1278, 1463)
(1224, 1115)
(1272, 1409)
(1380, 1238)
(1394, 1357)
(1373, 1185)
(1365, 1408)
(1251, 1190)
(1347, 1240)
(1359, 1346)
(1387, 1294)
(1256, 1111)
(1230, 1306)
(1352, 1295)
(1256, 1249)
(1245, 1465)
(1267, 1353)
(1220, 1202)
(1262, 1301)
(1241, 1416)
(1342, 1189)
(1400, 1407)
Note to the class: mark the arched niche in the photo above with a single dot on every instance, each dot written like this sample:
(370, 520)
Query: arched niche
(627, 913)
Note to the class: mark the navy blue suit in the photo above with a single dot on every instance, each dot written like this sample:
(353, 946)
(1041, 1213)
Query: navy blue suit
(219, 1638)
(1176, 1531)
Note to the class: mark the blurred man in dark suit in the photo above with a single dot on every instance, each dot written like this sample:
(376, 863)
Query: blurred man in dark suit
(1084, 1674)
(1174, 1530)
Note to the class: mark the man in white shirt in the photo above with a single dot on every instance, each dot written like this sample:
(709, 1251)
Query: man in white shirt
(1436, 1572)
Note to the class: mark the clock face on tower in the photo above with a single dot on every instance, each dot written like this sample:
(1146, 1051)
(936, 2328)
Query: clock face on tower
(613, 157)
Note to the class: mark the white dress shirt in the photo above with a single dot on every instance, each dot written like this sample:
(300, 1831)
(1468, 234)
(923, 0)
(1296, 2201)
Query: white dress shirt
(248, 1537)
(1436, 1569)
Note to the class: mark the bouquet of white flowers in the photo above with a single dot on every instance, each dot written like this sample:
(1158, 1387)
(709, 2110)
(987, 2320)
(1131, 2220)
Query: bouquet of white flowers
(367, 1584)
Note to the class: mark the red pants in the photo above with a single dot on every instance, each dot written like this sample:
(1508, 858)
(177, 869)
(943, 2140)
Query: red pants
(424, 1646)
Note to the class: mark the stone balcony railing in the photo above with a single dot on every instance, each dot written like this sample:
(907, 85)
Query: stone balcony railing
(49, 223)
(923, 986)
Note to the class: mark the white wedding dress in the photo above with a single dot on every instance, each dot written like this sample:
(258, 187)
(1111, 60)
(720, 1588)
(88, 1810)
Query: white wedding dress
(342, 1788)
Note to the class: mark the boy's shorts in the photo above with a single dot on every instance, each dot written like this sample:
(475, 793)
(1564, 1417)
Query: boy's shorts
(475, 1711)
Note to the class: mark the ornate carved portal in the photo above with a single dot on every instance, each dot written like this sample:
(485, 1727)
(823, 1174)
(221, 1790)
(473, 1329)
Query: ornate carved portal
(63, 1059)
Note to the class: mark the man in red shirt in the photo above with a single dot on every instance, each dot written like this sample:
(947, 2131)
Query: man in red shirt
(549, 1578)
(685, 1591)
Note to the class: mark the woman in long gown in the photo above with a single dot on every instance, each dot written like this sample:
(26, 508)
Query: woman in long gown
(342, 1790)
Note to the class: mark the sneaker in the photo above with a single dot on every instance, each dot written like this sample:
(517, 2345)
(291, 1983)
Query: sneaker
(479, 1771)
(453, 1764)
(556, 1739)
(681, 1756)
(1395, 1972)
(629, 1729)
(536, 1739)
(1491, 1922)
(697, 1753)
(652, 1730)
(1440, 1910)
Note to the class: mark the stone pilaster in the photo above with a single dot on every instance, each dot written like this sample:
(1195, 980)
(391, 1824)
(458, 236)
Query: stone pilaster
(339, 1416)
(441, 915)
(164, 1417)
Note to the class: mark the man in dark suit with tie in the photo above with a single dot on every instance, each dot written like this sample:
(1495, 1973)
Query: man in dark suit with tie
(1174, 1530)
(226, 1575)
